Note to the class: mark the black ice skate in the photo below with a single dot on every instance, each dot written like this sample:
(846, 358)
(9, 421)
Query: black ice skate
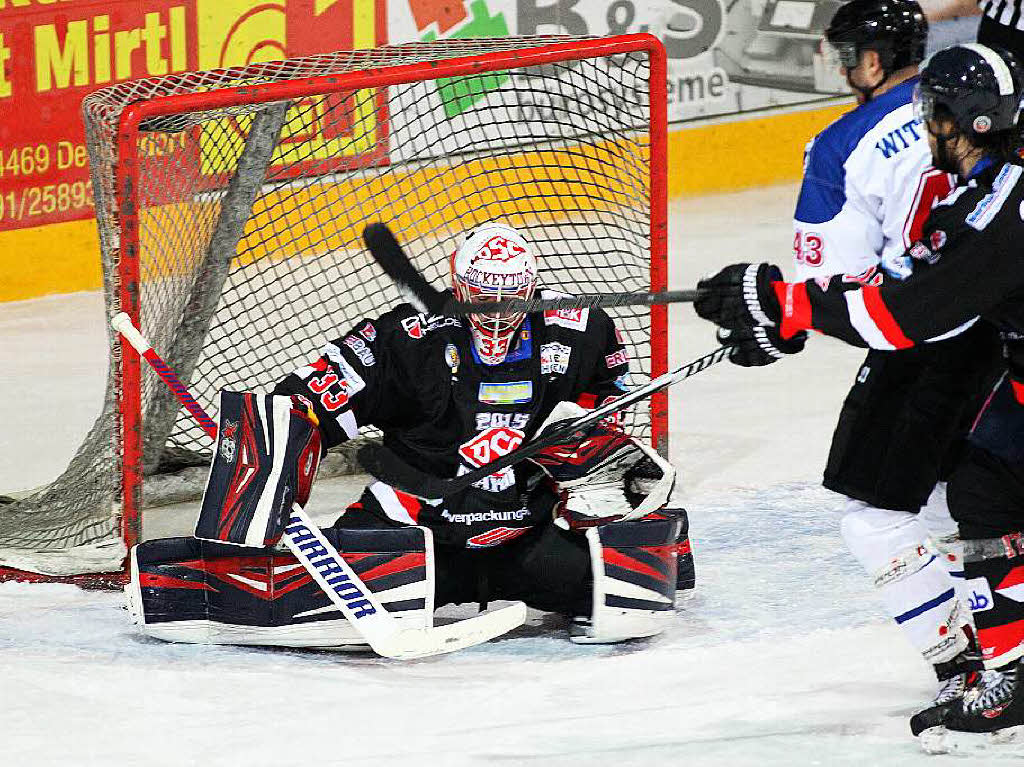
(955, 677)
(989, 714)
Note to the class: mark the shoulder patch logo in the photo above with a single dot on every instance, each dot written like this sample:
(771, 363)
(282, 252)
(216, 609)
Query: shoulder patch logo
(554, 358)
(413, 327)
(574, 319)
(451, 357)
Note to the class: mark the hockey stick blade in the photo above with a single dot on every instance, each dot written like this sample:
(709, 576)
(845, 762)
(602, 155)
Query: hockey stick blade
(396, 264)
(364, 611)
(407, 644)
(390, 468)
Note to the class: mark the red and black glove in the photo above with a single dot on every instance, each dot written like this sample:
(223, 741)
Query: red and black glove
(605, 476)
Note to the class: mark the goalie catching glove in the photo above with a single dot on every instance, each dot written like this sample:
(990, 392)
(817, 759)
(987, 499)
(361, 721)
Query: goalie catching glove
(607, 476)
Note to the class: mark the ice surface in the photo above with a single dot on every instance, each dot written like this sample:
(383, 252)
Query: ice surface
(781, 657)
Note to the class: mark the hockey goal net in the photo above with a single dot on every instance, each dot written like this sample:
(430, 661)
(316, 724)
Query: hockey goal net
(230, 205)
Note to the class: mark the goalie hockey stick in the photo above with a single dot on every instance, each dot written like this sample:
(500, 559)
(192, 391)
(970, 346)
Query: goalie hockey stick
(332, 573)
(416, 290)
(391, 469)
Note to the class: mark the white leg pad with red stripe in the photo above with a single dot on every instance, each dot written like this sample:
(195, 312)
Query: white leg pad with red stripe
(634, 571)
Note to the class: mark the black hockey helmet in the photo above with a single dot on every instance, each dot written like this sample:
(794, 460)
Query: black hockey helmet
(981, 86)
(897, 29)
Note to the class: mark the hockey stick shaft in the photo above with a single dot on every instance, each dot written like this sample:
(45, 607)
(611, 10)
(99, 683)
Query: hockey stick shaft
(582, 301)
(393, 259)
(391, 469)
(122, 323)
(333, 574)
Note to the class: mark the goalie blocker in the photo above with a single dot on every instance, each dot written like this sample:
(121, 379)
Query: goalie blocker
(268, 451)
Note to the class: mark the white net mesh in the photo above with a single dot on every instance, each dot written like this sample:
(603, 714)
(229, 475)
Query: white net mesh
(245, 207)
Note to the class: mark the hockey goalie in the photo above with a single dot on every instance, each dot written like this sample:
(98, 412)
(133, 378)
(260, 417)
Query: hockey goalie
(580, 530)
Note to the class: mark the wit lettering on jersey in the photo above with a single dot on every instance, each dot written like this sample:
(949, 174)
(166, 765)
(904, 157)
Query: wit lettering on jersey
(897, 140)
(868, 187)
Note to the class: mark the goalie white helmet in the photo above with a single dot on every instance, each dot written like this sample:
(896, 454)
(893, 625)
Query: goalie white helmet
(494, 262)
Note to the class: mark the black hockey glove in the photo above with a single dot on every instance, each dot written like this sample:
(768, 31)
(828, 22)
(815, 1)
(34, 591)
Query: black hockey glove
(740, 296)
(755, 347)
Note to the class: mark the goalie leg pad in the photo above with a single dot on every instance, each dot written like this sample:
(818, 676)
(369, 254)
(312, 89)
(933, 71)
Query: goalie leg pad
(896, 551)
(634, 581)
(189, 590)
(268, 451)
(686, 573)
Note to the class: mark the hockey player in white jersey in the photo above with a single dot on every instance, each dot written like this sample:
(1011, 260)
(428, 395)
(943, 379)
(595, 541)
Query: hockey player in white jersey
(868, 188)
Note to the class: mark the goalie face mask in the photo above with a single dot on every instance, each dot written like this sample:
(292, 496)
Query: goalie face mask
(495, 262)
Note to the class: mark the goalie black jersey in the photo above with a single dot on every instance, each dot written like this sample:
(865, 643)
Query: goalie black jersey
(418, 380)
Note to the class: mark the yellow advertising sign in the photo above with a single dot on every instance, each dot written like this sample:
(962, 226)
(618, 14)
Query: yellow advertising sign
(325, 128)
(66, 49)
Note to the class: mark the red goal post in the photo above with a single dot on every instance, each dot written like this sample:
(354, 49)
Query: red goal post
(229, 205)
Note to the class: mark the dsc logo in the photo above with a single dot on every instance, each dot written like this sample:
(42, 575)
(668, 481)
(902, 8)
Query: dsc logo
(491, 444)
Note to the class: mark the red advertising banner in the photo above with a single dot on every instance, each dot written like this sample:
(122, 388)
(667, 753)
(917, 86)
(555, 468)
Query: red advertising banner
(54, 53)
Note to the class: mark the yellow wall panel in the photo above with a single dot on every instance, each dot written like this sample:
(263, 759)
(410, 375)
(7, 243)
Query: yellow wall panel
(703, 158)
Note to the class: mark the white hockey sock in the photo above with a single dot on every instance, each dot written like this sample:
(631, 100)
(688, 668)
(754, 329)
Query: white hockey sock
(895, 549)
(945, 534)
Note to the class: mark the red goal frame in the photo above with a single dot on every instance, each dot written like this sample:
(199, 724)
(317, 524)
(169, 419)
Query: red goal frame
(127, 190)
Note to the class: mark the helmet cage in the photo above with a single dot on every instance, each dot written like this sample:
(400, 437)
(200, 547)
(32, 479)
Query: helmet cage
(493, 325)
(494, 263)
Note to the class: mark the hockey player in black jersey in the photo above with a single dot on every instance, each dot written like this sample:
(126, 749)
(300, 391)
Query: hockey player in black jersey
(902, 423)
(580, 530)
(968, 268)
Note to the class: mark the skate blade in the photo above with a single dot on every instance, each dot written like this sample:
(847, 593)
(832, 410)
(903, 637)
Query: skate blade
(1002, 743)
